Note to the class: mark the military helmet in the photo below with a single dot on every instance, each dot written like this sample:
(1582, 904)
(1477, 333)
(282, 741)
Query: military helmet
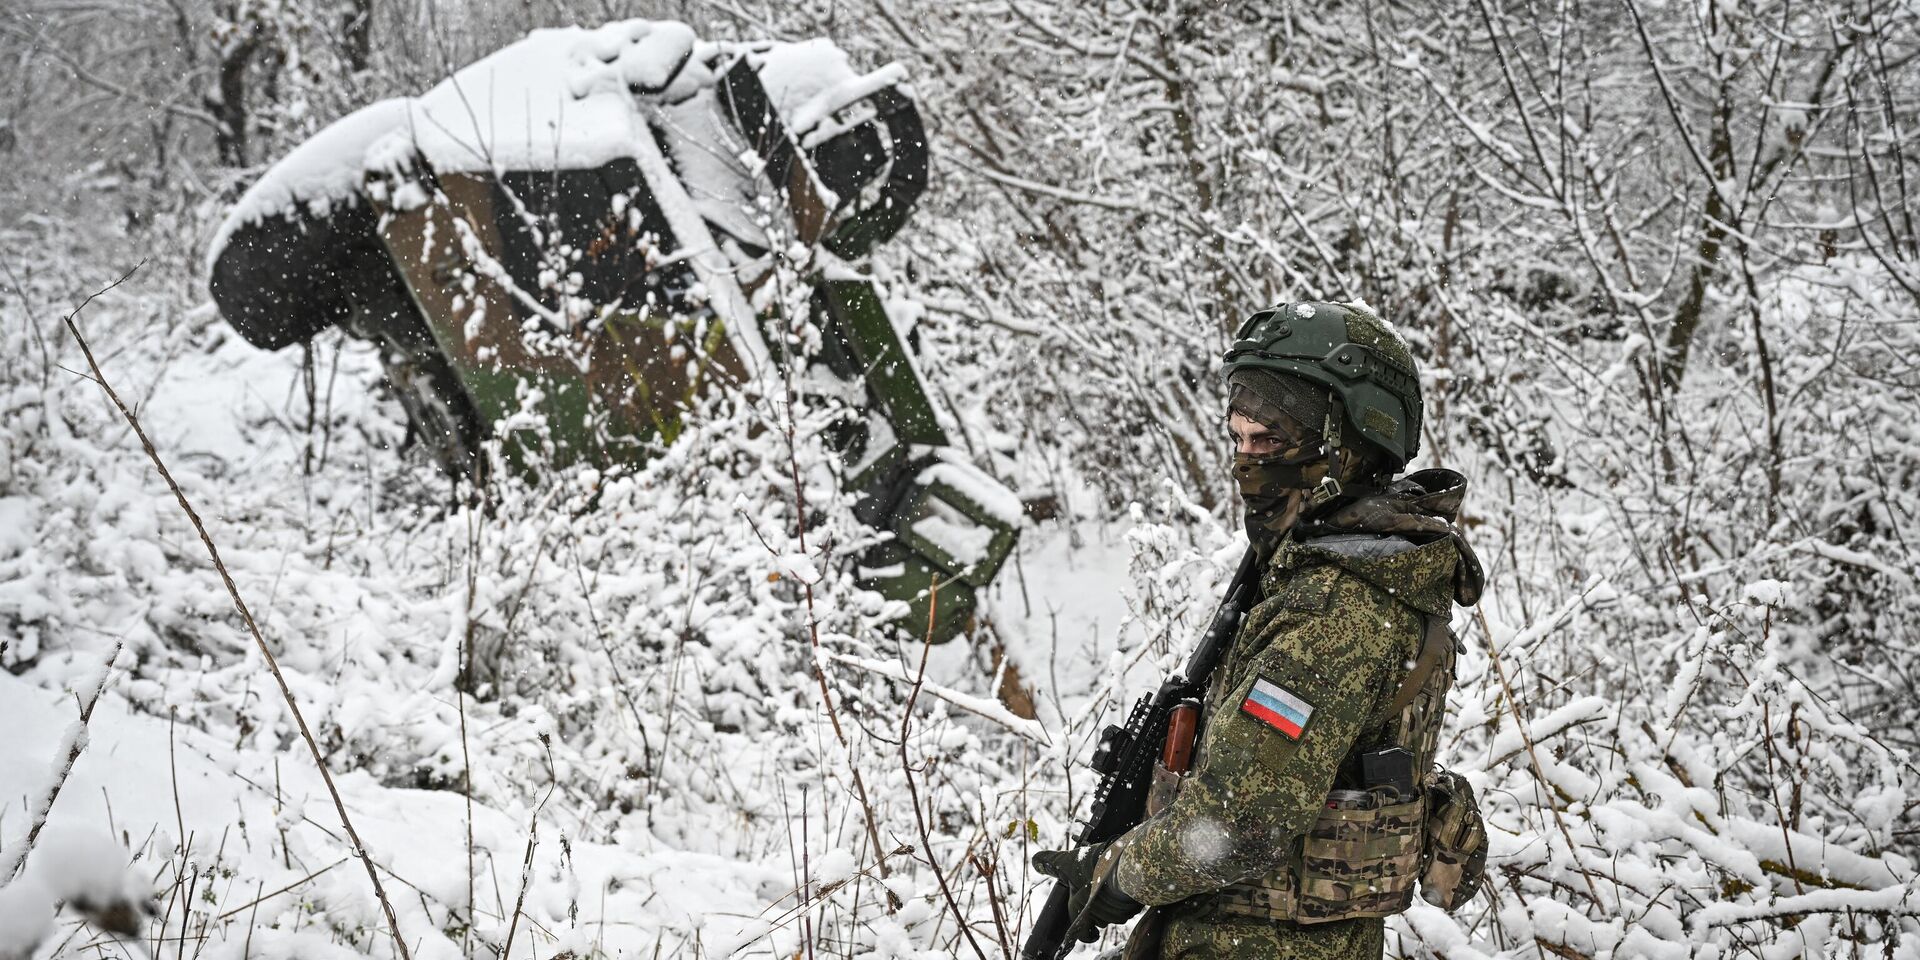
(1357, 356)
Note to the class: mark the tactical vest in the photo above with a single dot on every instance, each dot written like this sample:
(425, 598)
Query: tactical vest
(1364, 854)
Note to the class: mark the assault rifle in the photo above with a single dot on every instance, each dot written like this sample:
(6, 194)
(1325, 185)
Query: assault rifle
(1125, 758)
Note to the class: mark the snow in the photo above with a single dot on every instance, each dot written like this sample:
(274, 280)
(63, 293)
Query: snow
(806, 117)
(837, 866)
(548, 99)
(981, 706)
(284, 945)
(974, 484)
(1713, 667)
(1206, 842)
(709, 263)
(632, 56)
(417, 835)
(570, 98)
(795, 74)
(1899, 899)
(327, 169)
(350, 583)
(1768, 592)
(951, 531)
(717, 167)
(1579, 711)
(26, 917)
(87, 865)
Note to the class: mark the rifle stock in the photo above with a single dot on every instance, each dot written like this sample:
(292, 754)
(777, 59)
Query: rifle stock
(1048, 939)
(1126, 754)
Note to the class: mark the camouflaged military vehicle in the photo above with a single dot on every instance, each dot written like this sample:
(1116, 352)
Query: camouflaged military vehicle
(584, 226)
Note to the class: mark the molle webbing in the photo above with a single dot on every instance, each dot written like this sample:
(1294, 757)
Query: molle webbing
(1355, 863)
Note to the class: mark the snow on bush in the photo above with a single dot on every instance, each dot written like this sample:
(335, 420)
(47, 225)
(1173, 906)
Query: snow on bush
(1687, 711)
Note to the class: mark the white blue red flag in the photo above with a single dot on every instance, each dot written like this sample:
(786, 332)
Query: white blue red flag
(1277, 707)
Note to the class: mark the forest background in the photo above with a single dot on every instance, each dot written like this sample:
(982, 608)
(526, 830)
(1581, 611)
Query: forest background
(1658, 261)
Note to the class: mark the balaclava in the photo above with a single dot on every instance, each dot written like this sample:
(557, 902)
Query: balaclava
(1275, 487)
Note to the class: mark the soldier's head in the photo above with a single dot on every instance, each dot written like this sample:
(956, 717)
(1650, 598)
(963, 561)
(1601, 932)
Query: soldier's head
(1323, 403)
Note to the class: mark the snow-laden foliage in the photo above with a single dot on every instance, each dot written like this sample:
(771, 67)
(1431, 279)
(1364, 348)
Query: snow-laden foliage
(1657, 261)
(671, 657)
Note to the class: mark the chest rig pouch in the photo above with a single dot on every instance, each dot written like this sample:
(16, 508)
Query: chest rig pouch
(1368, 849)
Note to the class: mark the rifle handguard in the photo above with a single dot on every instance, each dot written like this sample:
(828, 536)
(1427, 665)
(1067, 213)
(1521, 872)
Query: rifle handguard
(1183, 725)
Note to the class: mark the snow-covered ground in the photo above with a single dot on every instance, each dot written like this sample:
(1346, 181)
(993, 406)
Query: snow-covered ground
(670, 751)
(1688, 710)
(193, 770)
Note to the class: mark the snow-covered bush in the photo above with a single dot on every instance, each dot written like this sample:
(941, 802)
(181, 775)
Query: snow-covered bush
(1658, 266)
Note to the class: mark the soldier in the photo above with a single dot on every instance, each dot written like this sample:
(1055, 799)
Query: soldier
(1295, 834)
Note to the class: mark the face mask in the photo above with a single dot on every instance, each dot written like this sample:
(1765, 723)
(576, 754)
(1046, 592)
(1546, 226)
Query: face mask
(1272, 485)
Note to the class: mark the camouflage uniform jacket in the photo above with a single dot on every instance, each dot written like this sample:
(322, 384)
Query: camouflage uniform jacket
(1340, 619)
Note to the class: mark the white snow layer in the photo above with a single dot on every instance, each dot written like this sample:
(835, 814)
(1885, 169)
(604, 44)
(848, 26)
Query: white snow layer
(319, 173)
(149, 775)
(976, 485)
(962, 539)
(567, 98)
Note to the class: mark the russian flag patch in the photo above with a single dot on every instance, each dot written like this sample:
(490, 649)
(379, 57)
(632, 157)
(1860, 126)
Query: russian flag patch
(1277, 707)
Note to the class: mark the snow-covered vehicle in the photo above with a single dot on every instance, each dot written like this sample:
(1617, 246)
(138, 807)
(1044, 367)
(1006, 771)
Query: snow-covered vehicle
(565, 243)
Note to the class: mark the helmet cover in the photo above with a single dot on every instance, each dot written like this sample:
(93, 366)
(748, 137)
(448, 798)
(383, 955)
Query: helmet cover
(1348, 350)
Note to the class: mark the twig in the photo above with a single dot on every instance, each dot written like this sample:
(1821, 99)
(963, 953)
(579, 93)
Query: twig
(1520, 724)
(11, 861)
(1673, 106)
(806, 874)
(804, 901)
(460, 699)
(186, 906)
(913, 792)
(533, 838)
(259, 898)
(980, 707)
(173, 779)
(86, 76)
(995, 901)
(788, 430)
(613, 662)
(1049, 190)
(233, 592)
(246, 949)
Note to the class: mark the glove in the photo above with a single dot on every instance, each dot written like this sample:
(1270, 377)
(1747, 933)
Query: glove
(1088, 874)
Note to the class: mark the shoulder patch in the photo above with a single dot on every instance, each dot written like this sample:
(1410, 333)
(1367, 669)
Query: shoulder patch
(1277, 707)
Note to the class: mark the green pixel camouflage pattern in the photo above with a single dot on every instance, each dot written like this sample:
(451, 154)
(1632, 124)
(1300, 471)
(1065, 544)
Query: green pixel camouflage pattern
(1196, 937)
(1339, 619)
(1332, 637)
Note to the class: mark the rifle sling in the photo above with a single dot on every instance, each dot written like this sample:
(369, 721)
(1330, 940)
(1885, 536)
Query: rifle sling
(1432, 644)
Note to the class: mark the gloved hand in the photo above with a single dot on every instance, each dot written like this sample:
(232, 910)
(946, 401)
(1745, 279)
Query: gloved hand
(1088, 874)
